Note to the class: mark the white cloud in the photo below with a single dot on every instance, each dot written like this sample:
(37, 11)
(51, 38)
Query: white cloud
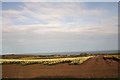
(63, 26)
(48, 11)
(52, 13)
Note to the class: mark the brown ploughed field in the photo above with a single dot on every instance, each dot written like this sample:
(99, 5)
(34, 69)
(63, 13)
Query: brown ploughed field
(95, 67)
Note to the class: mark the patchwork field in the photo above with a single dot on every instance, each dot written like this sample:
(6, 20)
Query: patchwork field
(99, 66)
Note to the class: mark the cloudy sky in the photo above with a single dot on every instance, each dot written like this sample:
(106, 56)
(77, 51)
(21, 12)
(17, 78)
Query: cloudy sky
(42, 27)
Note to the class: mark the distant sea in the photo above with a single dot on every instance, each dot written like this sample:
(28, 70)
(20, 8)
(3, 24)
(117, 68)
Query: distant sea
(69, 53)
(77, 53)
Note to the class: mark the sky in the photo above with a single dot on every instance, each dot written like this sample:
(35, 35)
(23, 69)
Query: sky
(43, 27)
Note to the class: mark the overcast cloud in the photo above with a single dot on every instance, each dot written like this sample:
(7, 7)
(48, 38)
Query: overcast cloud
(30, 27)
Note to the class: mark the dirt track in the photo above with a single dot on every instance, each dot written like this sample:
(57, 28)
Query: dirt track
(96, 67)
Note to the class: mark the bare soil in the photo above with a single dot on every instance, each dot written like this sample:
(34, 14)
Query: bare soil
(96, 67)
